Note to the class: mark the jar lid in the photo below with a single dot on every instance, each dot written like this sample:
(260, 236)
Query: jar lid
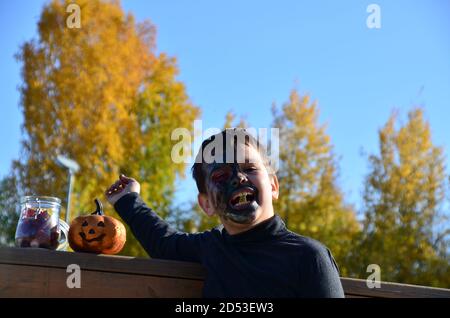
(39, 198)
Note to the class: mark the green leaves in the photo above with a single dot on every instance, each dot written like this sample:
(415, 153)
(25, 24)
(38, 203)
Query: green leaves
(9, 209)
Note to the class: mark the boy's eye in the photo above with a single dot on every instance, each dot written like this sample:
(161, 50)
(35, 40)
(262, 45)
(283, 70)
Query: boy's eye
(219, 176)
(250, 169)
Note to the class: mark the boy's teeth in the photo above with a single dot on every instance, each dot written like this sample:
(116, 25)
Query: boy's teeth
(241, 199)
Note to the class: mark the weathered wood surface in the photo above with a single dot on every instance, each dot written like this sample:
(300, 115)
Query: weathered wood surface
(29, 272)
(358, 288)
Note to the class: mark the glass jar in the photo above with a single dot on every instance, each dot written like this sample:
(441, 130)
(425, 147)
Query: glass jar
(39, 223)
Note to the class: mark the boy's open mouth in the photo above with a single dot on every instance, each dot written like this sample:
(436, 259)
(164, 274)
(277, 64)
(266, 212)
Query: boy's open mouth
(242, 198)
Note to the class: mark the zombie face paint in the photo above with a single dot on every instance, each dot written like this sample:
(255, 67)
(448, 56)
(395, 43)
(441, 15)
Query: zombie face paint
(231, 192)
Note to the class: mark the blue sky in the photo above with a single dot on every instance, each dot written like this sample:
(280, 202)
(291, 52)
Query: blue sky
(245, 55)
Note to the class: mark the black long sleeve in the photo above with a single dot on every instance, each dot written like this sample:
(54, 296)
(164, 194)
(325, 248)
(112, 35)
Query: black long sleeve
(155, 235)
(265, 261)
(323, 279)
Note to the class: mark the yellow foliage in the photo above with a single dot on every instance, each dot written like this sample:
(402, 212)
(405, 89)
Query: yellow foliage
(310, 201)
(100, 95)
(404, 191)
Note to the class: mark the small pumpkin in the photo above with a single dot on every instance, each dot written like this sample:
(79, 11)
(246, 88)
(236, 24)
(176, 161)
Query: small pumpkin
(97, 233)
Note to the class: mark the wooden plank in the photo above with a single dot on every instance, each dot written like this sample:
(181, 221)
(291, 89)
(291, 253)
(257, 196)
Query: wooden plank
(35, 281)
(358, 287)
(150, 271)
(108, 263)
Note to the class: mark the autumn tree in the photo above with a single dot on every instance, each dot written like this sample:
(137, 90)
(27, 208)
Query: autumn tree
(310, 201)
(405, 229)
(102, 96)
(9, 209)
(231, 121)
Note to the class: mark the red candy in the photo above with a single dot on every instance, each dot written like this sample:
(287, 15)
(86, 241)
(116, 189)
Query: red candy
(29, 213)
(37, 229)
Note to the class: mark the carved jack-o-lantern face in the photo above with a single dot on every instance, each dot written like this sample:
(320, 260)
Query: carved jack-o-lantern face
(92, 230)
(97, 233)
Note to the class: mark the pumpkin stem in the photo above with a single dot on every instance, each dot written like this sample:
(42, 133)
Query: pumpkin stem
(99, 210)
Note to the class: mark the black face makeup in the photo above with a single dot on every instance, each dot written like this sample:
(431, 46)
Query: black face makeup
(232, 194)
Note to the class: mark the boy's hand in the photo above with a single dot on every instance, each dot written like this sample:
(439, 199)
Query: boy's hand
(122, 187)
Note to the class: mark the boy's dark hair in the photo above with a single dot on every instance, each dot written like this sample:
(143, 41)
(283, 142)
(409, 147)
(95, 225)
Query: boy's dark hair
(233, 136)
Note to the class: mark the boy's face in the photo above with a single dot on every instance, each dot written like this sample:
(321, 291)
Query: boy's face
(240, 194)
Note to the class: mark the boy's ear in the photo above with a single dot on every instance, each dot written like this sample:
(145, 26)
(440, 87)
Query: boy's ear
(275, 187)
(205, 204)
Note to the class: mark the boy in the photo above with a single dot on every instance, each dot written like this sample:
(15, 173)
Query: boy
(251, 254)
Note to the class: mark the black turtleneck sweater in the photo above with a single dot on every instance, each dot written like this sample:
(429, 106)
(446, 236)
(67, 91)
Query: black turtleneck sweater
(265, 261)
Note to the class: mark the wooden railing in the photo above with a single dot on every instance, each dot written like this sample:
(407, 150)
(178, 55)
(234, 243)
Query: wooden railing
(29, 272)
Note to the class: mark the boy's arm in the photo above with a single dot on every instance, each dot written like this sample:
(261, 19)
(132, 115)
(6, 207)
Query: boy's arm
(154, 234)
(320, 274)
